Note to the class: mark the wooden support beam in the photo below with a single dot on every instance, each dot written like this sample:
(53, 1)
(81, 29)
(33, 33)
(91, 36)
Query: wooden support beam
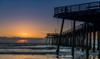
(90, 38)
(94, 35)
(57, 51)
(98, 33)
(66, 41)
(83, 37)
(73, 38)
(46, 41)
(57, 40)
(49, 40)
(87, 47)
(99, 44)
(52, 42)
(70, 41)
(79, 39)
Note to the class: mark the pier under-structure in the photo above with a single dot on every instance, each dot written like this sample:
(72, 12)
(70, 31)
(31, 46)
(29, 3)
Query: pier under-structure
(89, 13)
(80, 39)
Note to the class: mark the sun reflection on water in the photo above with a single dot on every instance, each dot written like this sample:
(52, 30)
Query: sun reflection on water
(22, 41)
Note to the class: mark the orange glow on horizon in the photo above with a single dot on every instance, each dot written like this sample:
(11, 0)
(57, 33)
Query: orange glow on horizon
(23, 29)
(24, 35)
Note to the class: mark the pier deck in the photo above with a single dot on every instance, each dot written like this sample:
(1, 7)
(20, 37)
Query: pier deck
(87, 12)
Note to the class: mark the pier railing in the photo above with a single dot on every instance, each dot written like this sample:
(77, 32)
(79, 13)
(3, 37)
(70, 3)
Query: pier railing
(65, 32)
(52, 35)
(78, 7)
(77, 28)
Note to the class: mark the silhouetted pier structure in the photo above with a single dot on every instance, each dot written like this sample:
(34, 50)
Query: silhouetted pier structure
(89, 13)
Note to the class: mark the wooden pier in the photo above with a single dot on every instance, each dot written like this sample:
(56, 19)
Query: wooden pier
(78, 36)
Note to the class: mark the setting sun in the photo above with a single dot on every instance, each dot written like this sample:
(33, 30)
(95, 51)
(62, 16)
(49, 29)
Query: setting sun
(24, 34)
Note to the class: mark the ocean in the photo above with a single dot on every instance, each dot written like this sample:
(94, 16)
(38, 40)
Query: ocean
(40, 51)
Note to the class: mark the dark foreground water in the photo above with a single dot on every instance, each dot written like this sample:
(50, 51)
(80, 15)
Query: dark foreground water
(40, 52)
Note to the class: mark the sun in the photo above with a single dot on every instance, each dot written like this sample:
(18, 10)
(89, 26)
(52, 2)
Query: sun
(24, 34)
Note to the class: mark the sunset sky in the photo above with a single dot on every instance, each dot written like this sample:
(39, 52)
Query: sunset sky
(31, 18)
